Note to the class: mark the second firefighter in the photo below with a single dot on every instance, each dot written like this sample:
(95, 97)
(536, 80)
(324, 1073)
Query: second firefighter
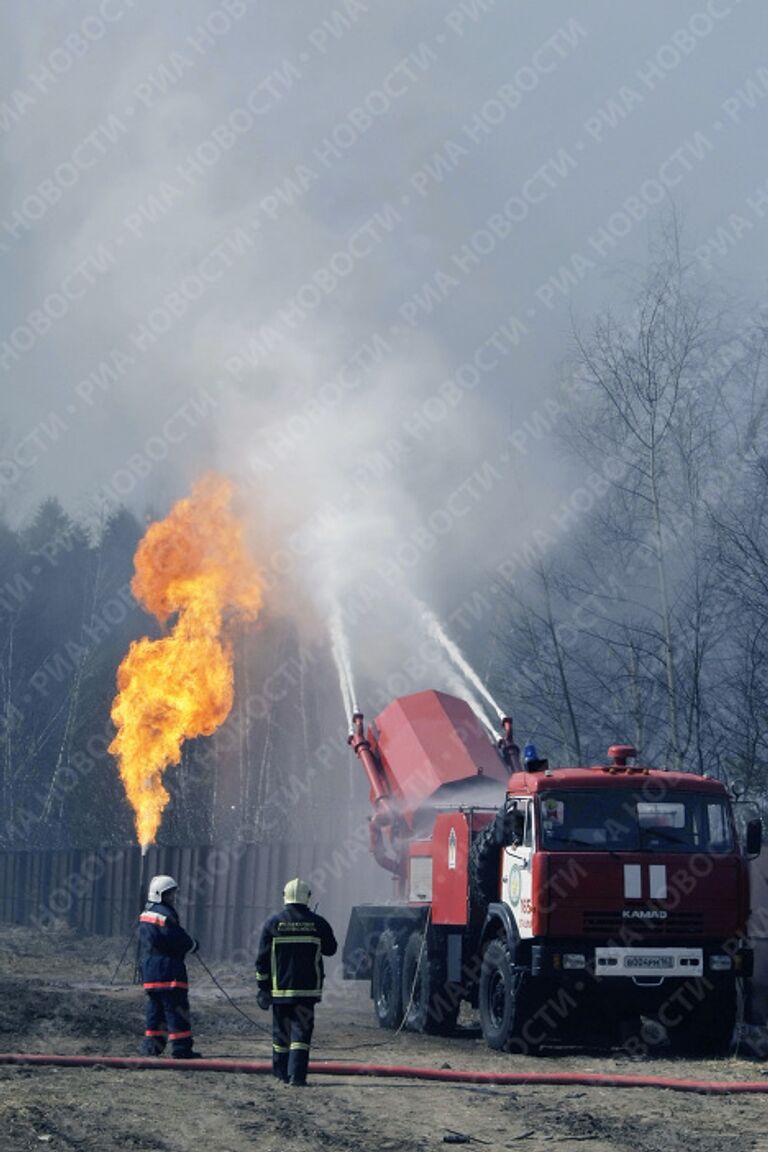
(289, 973)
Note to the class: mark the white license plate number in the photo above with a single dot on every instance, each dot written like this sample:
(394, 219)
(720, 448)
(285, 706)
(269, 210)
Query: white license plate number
(653, 963)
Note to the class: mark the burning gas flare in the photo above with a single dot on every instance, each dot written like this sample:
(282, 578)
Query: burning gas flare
(192, 565)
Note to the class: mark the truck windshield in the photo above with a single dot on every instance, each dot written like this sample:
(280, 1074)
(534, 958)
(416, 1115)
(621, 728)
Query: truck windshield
(622, 821)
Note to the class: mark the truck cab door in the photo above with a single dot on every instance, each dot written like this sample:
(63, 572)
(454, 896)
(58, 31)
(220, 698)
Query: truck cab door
(516, 869)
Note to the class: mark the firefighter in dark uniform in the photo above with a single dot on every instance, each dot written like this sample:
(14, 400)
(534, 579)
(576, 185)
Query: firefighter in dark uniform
(289, 973)
(163, 944)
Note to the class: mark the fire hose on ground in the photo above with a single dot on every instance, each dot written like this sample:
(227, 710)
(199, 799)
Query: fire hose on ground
(393, 1071)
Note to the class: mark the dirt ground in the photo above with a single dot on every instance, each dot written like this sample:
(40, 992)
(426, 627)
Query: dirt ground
(57, 996)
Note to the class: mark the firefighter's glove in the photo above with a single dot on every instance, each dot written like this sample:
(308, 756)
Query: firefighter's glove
(263, 999)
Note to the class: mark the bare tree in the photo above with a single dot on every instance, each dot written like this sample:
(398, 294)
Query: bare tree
(644, 383)
(641, 622)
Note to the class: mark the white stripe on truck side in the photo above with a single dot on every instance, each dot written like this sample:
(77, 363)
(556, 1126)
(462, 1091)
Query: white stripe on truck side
(633, 889)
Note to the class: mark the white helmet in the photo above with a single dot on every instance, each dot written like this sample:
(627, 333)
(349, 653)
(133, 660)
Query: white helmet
(296, 892)
(158, 886)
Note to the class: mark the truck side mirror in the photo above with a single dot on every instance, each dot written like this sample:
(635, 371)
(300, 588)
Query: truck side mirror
(754, 837)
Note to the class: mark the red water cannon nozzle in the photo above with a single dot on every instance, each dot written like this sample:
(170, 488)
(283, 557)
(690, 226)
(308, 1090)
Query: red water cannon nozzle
(356, 731)
(361, 746)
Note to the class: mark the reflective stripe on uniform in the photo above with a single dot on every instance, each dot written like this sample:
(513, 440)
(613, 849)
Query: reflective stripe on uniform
(279, 1048)
(297, 1045)
(179, 1035)
(167, 984)
(152, 918)
(155, 1032)
(278, 993)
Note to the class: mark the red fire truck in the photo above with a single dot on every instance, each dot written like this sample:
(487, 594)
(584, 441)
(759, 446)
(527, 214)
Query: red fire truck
(557, 901)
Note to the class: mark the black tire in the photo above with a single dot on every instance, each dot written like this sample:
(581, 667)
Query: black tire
(484, 867)
(386, 981)
(430, 1003)
(706, 1025)
(502, 1001)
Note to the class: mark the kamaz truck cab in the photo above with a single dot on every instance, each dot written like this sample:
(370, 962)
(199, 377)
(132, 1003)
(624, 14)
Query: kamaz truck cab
(624, 893)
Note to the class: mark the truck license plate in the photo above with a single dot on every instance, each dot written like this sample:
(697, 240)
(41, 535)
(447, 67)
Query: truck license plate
(653, 962)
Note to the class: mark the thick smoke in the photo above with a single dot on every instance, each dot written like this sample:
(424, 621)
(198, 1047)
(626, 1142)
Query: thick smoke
(334, 251)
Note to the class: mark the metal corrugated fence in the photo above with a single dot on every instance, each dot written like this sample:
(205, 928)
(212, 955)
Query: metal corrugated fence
(225, 893)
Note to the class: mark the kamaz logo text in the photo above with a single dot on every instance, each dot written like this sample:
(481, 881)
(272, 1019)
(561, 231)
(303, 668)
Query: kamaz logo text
(644, 914)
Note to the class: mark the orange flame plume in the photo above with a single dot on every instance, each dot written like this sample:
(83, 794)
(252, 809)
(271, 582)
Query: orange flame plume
(194, 565)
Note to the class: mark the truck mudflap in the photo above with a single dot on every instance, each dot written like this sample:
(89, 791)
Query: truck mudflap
(366, 924)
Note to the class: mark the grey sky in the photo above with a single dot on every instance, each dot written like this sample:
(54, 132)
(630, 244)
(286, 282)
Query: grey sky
(227, 203)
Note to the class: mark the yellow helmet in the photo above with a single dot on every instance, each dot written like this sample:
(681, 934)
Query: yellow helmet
(296, 892)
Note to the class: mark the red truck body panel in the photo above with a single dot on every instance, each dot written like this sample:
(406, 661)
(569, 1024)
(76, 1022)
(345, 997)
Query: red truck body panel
(584, 895)
(450, 863)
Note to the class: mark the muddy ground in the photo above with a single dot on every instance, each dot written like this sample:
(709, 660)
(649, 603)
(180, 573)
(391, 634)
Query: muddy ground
(56, 996)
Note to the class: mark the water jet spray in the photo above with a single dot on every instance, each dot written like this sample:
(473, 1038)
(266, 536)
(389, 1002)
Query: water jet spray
(341, 656)
(454, 653)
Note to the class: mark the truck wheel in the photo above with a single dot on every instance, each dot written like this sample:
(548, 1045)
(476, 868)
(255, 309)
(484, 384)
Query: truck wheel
(427, 998)
(386, 981)
(502, 1013)
(706, 1027)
